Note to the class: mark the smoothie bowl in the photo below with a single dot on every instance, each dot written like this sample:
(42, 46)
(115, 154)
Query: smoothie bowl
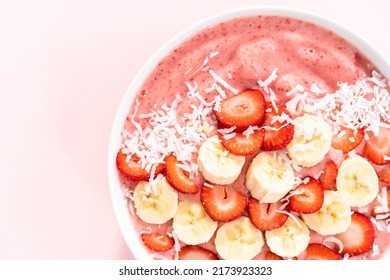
(259, 133)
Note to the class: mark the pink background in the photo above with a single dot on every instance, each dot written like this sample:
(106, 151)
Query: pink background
(64, 67)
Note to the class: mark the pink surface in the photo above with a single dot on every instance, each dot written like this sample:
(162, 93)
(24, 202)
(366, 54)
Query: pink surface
(64, 67)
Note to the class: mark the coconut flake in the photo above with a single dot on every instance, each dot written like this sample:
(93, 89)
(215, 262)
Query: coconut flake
(222, 82)
(264, 84)
(315, 89)
(147, 230)
(365, 104)
(208, 185)
(229, 136)
(297, 89)
(227, 130)
(377, 224)
(335, 240)
(375, 250)
(290, 215)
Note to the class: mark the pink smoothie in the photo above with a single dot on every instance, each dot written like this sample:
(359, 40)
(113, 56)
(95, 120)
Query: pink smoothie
(235, 55)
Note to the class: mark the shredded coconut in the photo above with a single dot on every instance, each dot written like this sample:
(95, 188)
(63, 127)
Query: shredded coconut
(335, 240)
(290, 215)
(365, 104)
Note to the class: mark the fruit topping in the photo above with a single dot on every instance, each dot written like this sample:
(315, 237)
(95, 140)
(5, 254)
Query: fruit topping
(217, 164)
(265, 216)
(347, 139)
(242, 110)
(357, 181)
(384, 174)
(317, 251)
(279, 130)
(191, 252)
(329, 175)
(238, 240)
(243, 144)
(272, 257)
(377, 148)
(309, 197)
(155, 202)
(311, 142)
(290, 239)
(223, 203)
(177, 177)
(333, 217)
(157, 241)
(192, 224)
(359, 236)
(132, 170)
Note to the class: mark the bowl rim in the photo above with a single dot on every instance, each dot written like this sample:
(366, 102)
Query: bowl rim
(121, 209)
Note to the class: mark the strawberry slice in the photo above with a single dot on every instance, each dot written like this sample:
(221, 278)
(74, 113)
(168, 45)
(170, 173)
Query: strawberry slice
(222, 203)
(272, 257)
(191, 252)
(359, 236)
(347, 139)
(384, 175)
(264, 215)
(132, 170)
(242, 110)
(377, 148)
(309, 199)
(315, 251)
(177, 177)
(329, 175)
(242, 145)
(157, 241)
(278, 134)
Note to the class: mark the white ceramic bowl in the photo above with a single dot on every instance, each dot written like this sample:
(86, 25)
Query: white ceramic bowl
(118, 201)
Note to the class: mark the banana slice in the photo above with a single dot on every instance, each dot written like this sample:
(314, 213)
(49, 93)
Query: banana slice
(269, 177)
(311, 142)
(290, 239)
(357, 181)
(333, 217)
(192, 224)
(217, 164)
(155, 204)
(239, 240)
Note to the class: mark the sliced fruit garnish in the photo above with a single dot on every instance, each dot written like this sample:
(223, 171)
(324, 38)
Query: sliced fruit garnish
(223, 203)
(309, 197)
(158, 241)
(177, 177)
(238, 240)
(347, 139)
(377, 148)
(329, 175)
(243, 145)
(272, 257)
(190, 252)
(192, 224)
(133, 170)
(290, 240)
(264, 215)
(384, 175)
(242, 110)
(278, 134)
(317, 251)
(359, 236)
